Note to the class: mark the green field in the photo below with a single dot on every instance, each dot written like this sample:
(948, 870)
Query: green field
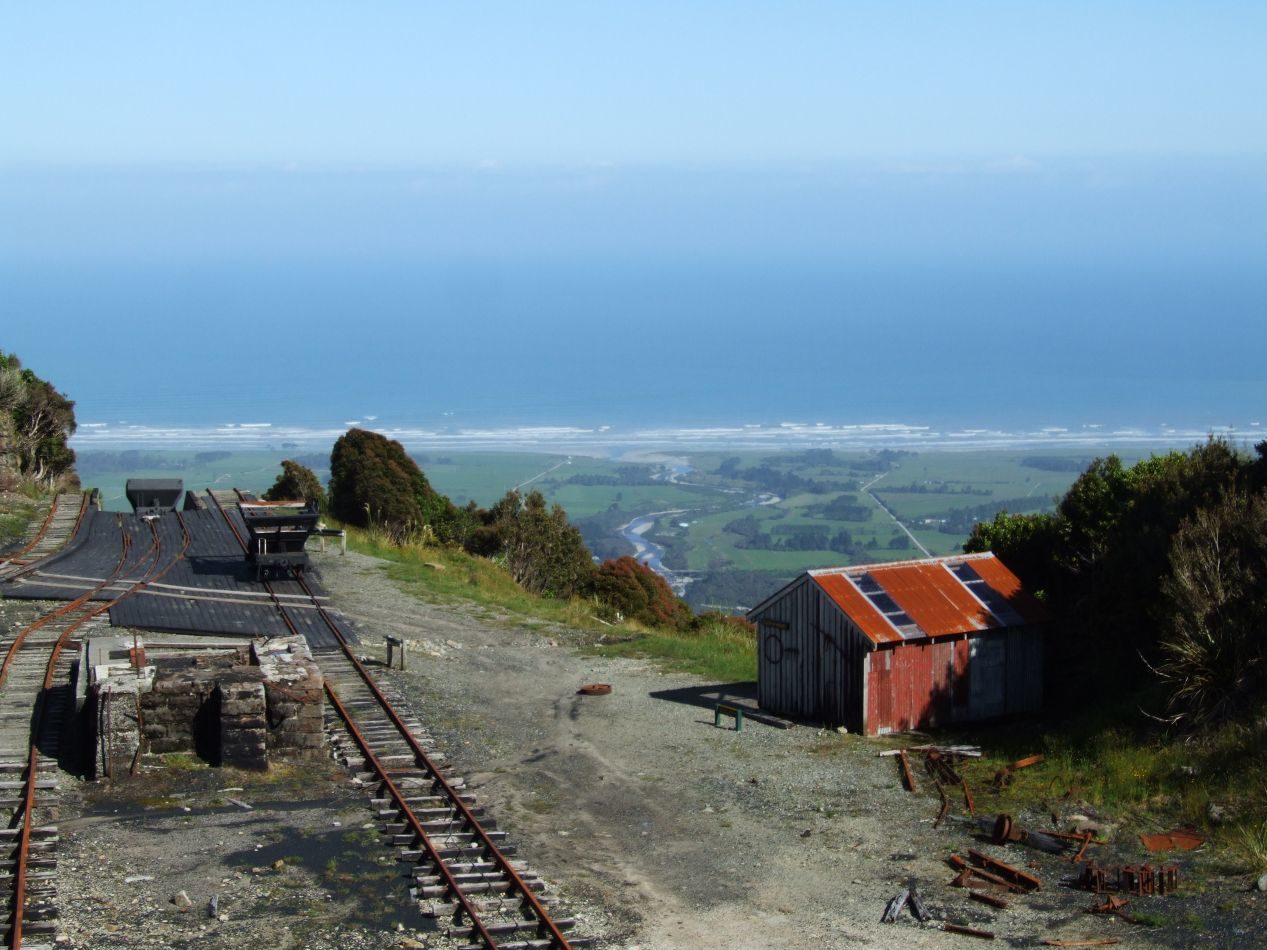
(738, 524)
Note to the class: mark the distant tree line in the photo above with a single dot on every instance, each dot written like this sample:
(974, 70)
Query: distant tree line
(961, 521)
(36, 423)
(1055, 463)
(796, 537)
(934, 488)
(767, 478)
(844, 507)
(1157, 577)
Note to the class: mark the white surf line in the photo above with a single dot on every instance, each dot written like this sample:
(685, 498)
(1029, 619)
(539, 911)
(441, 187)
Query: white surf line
(883, 507)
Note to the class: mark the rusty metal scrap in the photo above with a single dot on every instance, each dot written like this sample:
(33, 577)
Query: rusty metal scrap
(907, 777)
(1007, 831)
(1003, 777)
(1177, 839)
(989, 899)
(1021, 879)
(967, 873)
(1142, 880)
(945, 804)
(1113, 905)
(967, 931)
(941, 766)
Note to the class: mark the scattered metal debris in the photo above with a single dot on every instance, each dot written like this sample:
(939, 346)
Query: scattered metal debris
(907, 778)
(1007, 831)
(1003, 777)
(1142, 880)
(1022, 880)
(967, 873)
(990, 899)
(1178, 839)
(967, 931)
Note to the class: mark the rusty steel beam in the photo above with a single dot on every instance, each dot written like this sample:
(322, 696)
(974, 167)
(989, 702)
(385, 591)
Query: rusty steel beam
(1022, 880)
(967, 931)
(907, 777)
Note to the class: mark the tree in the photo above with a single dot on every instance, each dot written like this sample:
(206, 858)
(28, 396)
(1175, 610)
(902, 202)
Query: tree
(41, 421)
(1214, 654)
(544, 553)
(638, 593)
(373, 481)
(297, 482)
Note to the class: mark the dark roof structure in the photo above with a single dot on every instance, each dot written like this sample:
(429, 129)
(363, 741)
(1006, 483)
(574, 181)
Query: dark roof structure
(211, 589)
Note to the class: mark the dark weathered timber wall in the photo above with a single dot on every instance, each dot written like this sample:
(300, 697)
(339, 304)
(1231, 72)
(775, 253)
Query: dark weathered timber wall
(810, 659)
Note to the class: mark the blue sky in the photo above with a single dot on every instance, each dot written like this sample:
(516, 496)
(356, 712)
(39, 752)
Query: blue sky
(1059, 202)
(588, 82)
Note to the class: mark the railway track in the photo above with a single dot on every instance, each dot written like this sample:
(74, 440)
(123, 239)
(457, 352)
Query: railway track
(35, 693)
(460, 871)
(59, 526)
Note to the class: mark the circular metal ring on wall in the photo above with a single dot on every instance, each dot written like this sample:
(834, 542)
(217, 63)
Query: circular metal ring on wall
(772, 649)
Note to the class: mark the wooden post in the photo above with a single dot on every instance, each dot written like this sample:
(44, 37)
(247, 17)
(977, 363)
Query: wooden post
(395, 645)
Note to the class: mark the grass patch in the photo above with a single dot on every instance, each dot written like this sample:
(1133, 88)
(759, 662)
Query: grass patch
(717, 651)
(15, 520)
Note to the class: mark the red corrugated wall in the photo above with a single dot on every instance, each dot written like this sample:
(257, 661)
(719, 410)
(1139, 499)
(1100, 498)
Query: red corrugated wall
(916, 686)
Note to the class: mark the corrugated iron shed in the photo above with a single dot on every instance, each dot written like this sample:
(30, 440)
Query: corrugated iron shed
(885, 647)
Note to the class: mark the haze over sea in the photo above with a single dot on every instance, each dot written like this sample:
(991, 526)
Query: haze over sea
(1089, 296)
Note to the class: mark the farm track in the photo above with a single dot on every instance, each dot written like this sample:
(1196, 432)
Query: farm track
(459, 869)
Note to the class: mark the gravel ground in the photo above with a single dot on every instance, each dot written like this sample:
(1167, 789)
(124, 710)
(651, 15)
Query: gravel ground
(655, 829)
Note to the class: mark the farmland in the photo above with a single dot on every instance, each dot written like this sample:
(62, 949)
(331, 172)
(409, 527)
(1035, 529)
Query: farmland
(735, 524)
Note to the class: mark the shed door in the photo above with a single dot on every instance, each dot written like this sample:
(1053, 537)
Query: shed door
(987, 683)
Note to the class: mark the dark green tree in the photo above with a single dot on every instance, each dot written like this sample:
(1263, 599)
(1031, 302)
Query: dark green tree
(41, 421)
(373, 481)
(296, 482)
(544, 553)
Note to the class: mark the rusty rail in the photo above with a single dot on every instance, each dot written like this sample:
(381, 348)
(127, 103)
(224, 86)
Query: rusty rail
(33, 756)
(545, 923)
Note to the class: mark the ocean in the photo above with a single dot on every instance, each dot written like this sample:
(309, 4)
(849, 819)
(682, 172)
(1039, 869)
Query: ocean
(746, 306)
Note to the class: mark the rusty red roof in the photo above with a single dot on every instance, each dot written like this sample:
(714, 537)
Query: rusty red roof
(937, 597)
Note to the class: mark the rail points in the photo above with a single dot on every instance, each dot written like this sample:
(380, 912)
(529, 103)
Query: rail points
(229, 566)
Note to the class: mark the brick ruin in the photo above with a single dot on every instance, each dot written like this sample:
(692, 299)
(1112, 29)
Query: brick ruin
(241, 706)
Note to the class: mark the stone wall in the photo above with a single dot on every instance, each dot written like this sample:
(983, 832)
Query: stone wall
(237, 708)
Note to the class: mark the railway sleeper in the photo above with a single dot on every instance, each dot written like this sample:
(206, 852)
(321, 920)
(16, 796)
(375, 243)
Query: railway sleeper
(434, 880)
(515, 927)
(535, 944)
(448, 853)
(469, 867)
(397, 829)
(476, 887)
(485, 906)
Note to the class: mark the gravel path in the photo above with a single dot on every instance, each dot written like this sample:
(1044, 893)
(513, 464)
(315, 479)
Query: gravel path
(655, 829)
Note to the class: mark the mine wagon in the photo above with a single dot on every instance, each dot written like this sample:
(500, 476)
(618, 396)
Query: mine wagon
(277, 534)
